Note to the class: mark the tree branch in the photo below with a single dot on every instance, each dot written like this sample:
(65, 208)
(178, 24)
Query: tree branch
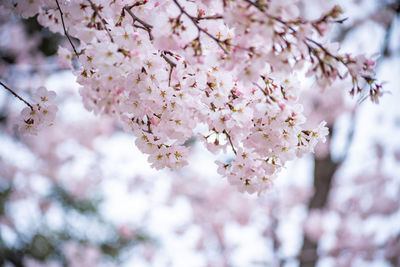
(103, 22)
(145, 26)
(195, 21)
(65, 30)
(16, 95)
(230, 141)
(172, 65)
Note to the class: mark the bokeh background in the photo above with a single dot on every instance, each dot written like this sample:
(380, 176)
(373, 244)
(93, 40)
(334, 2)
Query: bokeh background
(81, 194)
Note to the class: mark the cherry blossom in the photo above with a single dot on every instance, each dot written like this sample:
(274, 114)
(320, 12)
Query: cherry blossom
(40, 115)
(251, 81)
(164, 69)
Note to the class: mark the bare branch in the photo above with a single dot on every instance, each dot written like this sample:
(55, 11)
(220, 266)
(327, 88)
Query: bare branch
(172, 65)
(215, 17)
(230, 141)
(145, 26)
(65, 30)
(16, 95)
(149, 125)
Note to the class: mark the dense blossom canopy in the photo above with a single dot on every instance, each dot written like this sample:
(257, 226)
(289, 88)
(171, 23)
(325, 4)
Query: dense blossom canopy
(230, 72)
(252, 81)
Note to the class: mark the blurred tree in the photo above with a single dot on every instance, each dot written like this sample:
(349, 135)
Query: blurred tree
(52, 185)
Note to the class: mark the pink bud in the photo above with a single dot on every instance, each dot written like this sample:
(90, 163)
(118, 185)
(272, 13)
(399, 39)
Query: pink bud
(370, 62)
(153, 121)
(237, 92)
(322, 28)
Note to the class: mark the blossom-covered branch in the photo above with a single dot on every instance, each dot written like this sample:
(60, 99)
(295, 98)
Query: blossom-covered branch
(174, 65)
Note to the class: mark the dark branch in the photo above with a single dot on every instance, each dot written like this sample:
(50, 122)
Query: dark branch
(16, 95)
(195, 21)
(103, 22)
(230, 141)
(145, 26)
(65, 30)
(208, 18)
(171, 64)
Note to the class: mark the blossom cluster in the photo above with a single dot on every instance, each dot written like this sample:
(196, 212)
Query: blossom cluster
(39, 115)
(227, 71)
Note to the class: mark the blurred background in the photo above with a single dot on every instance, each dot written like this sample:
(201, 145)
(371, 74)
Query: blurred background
(81, 194)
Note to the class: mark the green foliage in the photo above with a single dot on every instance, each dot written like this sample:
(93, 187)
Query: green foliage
(44, 244)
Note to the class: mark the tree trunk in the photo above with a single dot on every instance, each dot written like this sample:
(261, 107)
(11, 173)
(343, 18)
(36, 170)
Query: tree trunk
(324, 170)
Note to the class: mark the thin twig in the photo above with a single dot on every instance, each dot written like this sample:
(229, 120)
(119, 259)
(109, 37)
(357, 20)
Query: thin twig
(16, 95)
(149, 125)
(287, 25)
(262, 90)
(103, 22)
(230, 141)
(208, 18)
(310, 43)
(172, 65)
(353, 120)
(65, 30)
(145, 26)
(195, 20)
